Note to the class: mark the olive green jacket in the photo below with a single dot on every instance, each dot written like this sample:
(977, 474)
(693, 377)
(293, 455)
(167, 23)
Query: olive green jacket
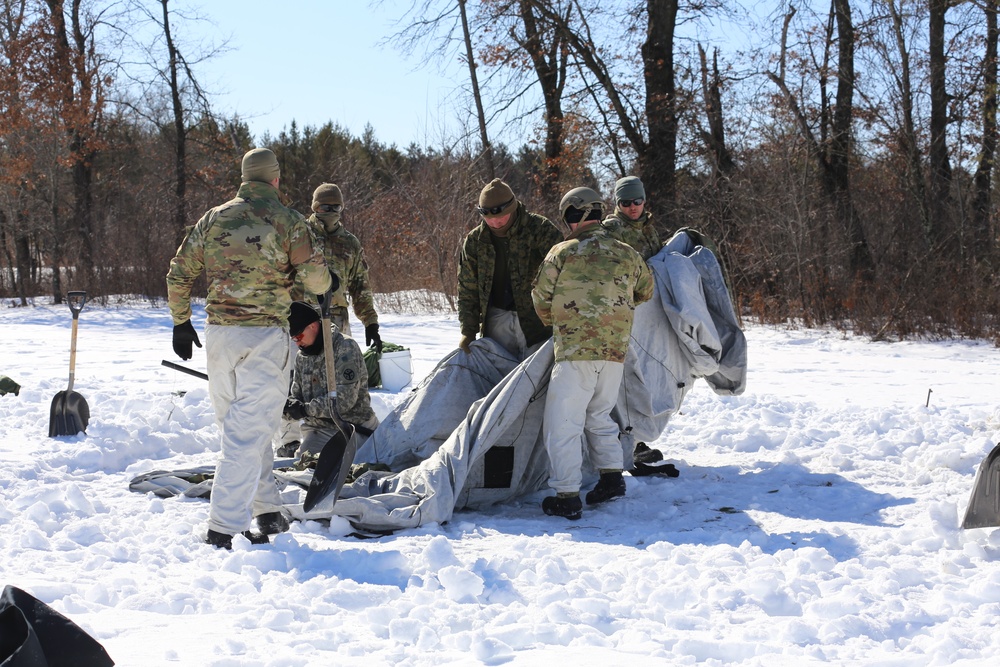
(531, 236)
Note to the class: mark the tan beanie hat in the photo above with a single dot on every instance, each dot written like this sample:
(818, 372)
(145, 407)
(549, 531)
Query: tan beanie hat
(260, 164)
(496, 194)
(327, 193)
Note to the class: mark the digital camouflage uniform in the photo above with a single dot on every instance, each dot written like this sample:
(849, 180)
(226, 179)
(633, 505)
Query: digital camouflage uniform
(587, 289)
(249, 248)
(353, 399)
(346, 258)
(640, 234)
(353, 402)
(530, 238)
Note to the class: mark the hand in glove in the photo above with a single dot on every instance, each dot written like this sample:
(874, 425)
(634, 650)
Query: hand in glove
(464, 343)
(294, 409)
(334, 282)
(372, 337)
(184, 335)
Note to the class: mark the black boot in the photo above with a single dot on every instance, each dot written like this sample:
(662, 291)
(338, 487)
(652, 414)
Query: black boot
(611, 485)
(223, 541)
(568, 506)
(644, 454)
(272, 523)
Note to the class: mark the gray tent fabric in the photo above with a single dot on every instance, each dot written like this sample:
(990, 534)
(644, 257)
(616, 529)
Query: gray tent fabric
(688, 330)
(494, 452)
(417, 427)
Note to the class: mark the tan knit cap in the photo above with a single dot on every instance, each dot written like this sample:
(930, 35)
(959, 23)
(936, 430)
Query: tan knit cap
(497, 193)
(327, 193)
(260, 164)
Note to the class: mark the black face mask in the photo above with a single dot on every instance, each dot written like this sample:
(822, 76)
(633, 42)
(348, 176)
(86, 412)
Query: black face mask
(314, 349)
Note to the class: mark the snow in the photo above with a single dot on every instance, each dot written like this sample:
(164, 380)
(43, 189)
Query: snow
(815, 520)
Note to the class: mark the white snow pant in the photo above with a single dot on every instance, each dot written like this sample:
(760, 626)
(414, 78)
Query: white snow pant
(504, 327)
(248, 371)
(578, 407)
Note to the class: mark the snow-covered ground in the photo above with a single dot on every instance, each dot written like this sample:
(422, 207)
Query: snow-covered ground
(815, 520)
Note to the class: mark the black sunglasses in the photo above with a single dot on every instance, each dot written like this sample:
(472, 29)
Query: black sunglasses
(494, 210)
(623, 203)
(330, 208)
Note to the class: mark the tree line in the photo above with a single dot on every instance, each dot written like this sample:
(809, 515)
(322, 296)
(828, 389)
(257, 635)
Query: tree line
(840, 154)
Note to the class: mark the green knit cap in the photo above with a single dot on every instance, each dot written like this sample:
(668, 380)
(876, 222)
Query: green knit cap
(327, 193)
(260, 164)
(497, 193)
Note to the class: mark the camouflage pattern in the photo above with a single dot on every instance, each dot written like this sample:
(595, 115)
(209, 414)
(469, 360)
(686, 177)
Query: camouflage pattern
(531, 236)
(640, 234)
(309, 384)
(587, 289)
(345, 256)
(249, 248)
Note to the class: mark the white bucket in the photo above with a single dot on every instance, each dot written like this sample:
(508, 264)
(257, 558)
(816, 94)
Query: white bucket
(395, 369)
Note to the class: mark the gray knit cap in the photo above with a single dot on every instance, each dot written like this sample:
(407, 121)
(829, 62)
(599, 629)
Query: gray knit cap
(629, 187)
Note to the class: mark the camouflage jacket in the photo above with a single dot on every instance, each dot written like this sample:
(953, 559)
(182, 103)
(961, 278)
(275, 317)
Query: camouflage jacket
(309, 383)
(640, 234)
(531, 236)
(249, 248)
(344, 255)
(587, 289)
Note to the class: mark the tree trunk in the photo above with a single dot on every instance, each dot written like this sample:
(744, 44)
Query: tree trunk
(474, 80)
(908, 134)
(860, 259)
(657, 162)
(549, 62)
(715, 138)
(983, 241)
(78, 116)
(180, 132)
(940, 168)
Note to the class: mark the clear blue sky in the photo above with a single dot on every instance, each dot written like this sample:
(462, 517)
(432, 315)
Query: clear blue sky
(319, 60)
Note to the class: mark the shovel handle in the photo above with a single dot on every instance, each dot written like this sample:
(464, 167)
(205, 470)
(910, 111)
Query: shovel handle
(76, 301)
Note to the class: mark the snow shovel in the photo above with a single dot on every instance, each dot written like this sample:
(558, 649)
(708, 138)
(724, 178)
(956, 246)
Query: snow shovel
(984, 504)
(331, 459)
(70, 413)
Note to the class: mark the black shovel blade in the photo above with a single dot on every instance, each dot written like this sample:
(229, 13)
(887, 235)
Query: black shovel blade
(69, 414)
(984, 504)
(327, 472)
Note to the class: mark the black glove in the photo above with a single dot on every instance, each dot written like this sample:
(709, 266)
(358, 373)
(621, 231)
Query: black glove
(372, 337)
(334, 281)
(294, 409)
(184, 335)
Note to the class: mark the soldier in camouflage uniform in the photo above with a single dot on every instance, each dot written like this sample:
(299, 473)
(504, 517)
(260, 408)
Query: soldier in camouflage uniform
(499, 260)
(631, 223)
(345, 257)
(308, 399)
(586, 289)
(249, 248)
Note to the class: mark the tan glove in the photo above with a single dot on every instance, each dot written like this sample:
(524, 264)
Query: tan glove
(464, 343)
